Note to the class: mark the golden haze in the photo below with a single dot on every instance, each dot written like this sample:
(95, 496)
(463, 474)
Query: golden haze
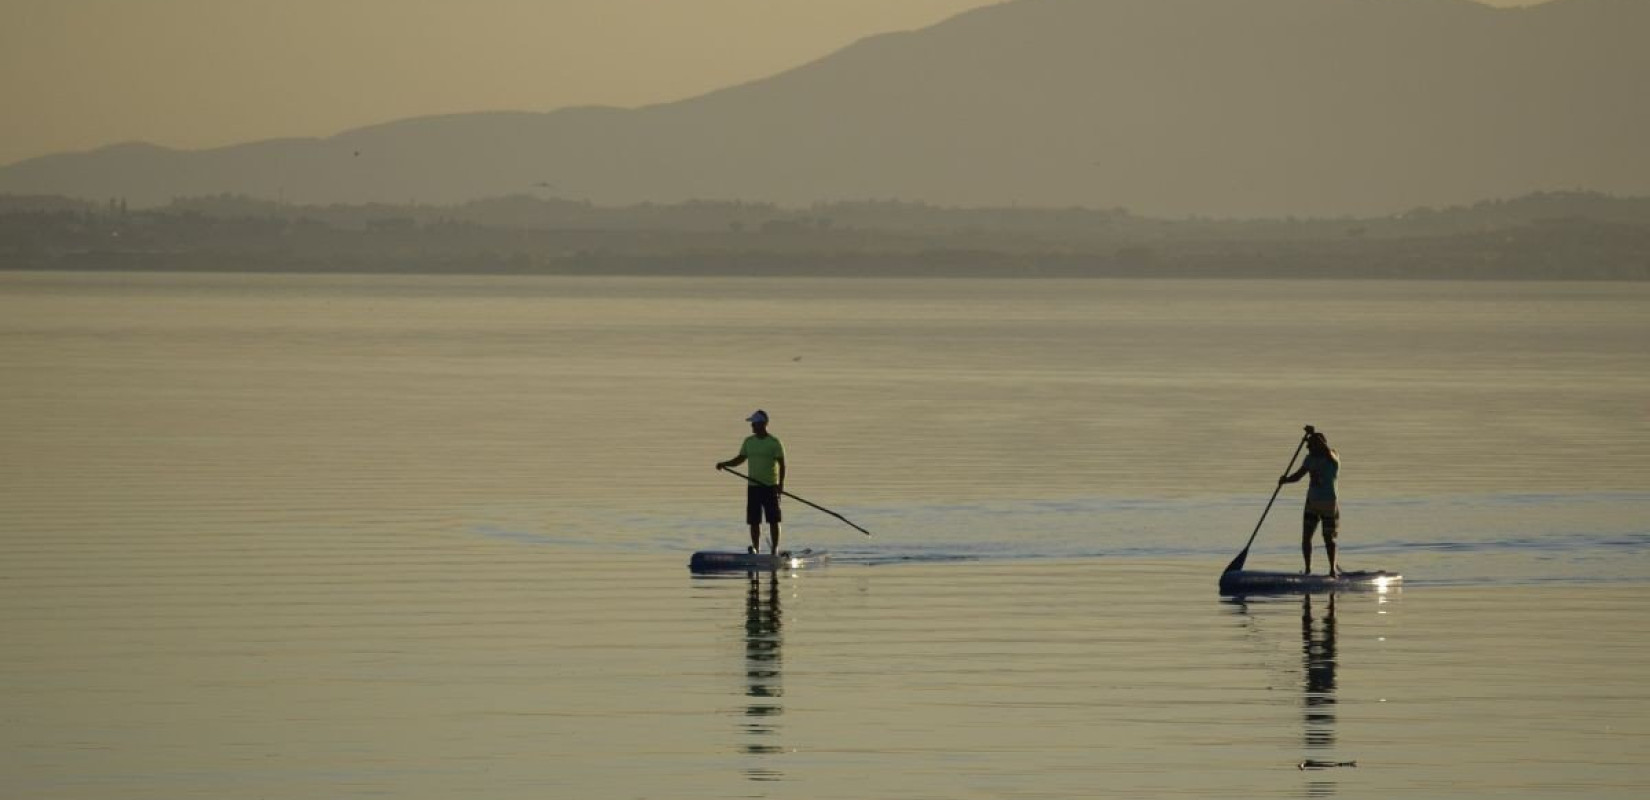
(80, 74)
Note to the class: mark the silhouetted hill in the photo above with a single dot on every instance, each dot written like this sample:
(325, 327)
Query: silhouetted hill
(1167, 107)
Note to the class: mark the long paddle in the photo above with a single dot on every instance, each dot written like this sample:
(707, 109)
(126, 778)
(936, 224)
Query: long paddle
(1237, 563)
(800, 500)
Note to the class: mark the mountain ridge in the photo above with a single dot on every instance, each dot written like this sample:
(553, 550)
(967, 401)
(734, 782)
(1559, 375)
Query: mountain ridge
(1168, 107)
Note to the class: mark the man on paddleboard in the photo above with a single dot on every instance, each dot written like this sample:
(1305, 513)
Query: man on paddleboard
(767, 479)
(1322, 504)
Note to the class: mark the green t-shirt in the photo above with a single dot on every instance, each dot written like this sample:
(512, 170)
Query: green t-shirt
(763, 453)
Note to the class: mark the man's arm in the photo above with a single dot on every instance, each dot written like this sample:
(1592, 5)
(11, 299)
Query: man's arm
(734, 462)
(1295, 476)
(780, 461)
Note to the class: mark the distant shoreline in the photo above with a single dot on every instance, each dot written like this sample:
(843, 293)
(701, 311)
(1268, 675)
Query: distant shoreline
(670, 268)
(1563, 236)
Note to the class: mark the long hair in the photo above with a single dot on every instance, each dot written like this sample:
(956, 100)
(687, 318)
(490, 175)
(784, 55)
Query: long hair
(1319, 443)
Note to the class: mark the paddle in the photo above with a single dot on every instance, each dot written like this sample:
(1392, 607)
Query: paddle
(800, 500)
(1237, 563)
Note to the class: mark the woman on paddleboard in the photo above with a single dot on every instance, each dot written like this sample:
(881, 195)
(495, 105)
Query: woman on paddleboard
(1322, 504)
(767, 479)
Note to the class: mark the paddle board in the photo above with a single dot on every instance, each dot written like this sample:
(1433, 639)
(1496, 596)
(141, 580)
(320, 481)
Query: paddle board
(1248, 581)
(739, 561)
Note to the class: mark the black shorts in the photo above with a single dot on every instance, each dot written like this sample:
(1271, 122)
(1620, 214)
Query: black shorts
(1330, 516)
(760, 500)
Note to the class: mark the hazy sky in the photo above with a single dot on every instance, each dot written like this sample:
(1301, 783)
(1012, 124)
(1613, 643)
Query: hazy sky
(77, 74)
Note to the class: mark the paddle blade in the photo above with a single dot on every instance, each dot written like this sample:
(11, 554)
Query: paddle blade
(1237, 563)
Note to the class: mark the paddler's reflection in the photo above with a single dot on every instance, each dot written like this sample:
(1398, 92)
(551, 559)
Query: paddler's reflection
(1318, 652)
(1318, 684)
(763, 684)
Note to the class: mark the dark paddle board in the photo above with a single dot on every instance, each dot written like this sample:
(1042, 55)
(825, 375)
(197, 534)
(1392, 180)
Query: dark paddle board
(739, 561)
(1249, 581)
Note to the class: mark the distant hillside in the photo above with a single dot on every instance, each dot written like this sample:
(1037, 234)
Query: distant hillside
(1226, 108)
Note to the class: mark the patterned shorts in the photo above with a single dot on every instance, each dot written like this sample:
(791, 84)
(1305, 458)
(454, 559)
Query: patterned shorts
(1328, 513)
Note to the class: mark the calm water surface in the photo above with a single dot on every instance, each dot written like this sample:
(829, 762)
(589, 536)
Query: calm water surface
(297, 537)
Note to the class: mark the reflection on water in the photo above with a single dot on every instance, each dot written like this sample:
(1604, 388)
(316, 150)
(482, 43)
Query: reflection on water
(764, 685)
(1320, 661)
(239, 553)
(1318, 651)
